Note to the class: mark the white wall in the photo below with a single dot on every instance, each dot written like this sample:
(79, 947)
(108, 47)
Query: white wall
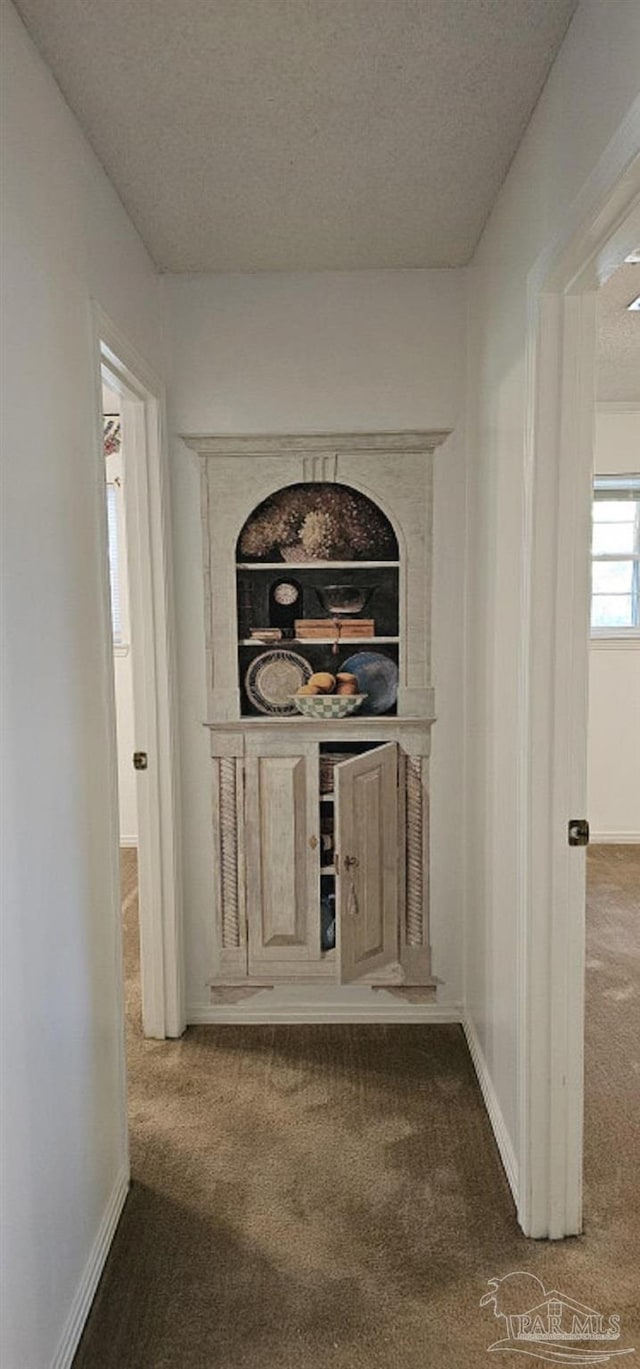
(616, 442)
(614, 674)
(587, 96)
(303, 353)
(66, 240)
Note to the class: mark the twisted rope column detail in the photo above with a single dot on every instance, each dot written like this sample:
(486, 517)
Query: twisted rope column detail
(415, 857)
(229, 853)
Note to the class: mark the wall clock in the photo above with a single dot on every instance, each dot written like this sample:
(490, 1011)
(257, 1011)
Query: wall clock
(286, 592)
(285, 597)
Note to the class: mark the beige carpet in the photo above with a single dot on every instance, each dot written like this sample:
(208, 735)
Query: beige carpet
(331, 1197)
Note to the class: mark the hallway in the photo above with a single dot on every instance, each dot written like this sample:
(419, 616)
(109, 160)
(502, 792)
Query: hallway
(305, 1197)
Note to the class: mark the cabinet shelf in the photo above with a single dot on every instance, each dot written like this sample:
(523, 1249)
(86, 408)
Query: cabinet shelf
(325, 728)
(287, 566)
(319, 641)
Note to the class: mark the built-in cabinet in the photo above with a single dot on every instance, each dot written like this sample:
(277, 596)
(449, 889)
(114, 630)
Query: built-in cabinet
(320, 827)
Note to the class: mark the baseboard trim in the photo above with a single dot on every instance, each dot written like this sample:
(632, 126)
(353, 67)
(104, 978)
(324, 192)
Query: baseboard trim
(203, 1014)
(498, 1125)
(614, 839)
(86, 1289)
(129, 841)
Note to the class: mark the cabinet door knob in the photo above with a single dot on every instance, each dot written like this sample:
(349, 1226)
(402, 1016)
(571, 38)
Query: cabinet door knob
(313, 842)
(350, 862)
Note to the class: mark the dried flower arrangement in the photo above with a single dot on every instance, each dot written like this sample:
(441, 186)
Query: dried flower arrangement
(112, 434)
(318, 522)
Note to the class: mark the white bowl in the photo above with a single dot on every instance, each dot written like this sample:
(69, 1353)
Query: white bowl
(328, 705)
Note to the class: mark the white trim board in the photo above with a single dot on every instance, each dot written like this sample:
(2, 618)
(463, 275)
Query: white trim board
(280, 444)
(127, 842)
(618, 406)
(208, 1014)
(85, 1292)
(614, 643)
(614, 839)
(490, 1097)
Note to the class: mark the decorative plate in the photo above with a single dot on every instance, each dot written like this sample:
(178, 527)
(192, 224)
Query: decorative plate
(377, 676)
(272, 679)
(328, 705)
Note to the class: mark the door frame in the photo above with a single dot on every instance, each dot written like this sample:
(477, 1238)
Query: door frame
(146, 473)
(601, 229)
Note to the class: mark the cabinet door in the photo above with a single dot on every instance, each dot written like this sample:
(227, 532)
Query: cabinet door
(283, 860)
(366, 798)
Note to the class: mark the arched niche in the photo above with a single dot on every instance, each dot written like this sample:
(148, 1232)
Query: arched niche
(243, 476)
(303, 549)
(317, 521)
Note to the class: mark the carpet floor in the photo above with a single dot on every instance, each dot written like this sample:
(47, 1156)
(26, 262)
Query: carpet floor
(331, 1197)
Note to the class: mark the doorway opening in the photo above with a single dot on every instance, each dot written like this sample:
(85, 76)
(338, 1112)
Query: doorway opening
(612, 989)
(120, 616)
(602, 230)
(145, 816)
(123, 669)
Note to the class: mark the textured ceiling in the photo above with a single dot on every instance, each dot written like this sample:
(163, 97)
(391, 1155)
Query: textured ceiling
(618, 364)
(290, 135)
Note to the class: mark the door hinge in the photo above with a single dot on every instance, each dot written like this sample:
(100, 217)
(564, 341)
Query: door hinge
(578, 832)
(140, 760)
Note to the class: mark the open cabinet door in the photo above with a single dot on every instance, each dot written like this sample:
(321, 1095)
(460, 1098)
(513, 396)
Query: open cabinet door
(366, 828)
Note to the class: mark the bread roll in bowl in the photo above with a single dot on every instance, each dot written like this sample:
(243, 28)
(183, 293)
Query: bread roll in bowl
(323, 682)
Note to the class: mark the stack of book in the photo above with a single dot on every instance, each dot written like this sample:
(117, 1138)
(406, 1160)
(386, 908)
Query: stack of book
(310, 629)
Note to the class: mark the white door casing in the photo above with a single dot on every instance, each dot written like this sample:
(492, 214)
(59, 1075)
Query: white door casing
(604, 226)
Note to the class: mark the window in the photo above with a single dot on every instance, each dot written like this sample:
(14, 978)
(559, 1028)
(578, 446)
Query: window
(615, 556)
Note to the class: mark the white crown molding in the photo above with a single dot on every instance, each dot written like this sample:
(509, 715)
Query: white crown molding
(287, 444)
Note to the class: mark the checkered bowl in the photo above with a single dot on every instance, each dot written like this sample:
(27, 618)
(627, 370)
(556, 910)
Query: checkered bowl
(328, 705)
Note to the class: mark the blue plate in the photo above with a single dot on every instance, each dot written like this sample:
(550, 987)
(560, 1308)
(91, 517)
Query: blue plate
(377, 676)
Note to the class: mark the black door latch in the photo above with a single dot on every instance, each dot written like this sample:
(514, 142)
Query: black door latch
(578, 832)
